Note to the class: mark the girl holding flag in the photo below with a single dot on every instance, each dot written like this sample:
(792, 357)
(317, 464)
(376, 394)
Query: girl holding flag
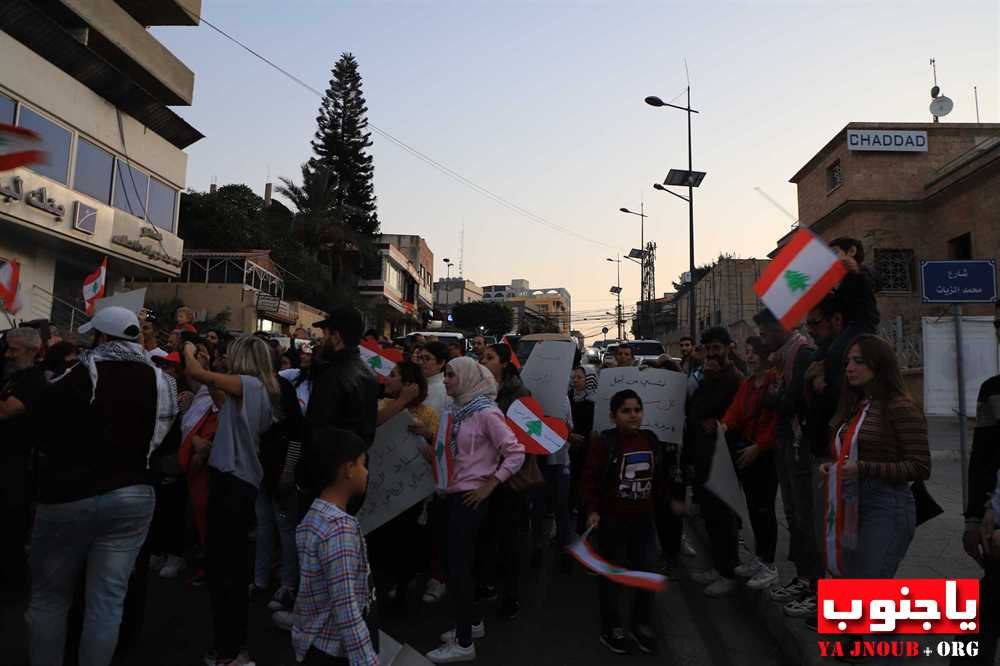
(482, 453)
(879, 448)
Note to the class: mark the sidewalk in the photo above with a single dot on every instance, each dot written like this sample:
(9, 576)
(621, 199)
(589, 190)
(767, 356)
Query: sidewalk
(936, 552)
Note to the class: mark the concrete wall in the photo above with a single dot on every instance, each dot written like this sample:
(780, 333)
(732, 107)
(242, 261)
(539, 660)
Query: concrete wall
(210, 299)
(28, 77)
(162, 73)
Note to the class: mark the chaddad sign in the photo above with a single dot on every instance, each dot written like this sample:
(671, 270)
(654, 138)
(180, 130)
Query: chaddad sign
(898, 141)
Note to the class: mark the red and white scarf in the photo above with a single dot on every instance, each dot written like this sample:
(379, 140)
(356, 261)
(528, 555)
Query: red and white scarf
(841, 495)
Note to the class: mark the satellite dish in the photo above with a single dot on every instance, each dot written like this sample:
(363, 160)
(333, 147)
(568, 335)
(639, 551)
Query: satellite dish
(942, 106)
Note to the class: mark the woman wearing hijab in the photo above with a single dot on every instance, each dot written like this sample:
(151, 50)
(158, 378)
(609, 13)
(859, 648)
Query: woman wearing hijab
(486, 453)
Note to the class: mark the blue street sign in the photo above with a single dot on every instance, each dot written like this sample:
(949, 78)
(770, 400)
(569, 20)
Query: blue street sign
(970, 281)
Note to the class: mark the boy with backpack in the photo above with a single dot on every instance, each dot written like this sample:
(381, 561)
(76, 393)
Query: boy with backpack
(620, 480)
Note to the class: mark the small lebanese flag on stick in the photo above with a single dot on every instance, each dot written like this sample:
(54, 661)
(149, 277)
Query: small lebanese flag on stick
(93, 286)
(10, 286)
(19, 147)
(380, 360)
(444, 459)
(540, 435)
(585, 555)
(513, 355)
(800, 276)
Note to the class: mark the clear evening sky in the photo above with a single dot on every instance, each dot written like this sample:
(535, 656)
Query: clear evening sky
(542, 103)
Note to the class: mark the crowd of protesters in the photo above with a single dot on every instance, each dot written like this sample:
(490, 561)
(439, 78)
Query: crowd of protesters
(158, 450)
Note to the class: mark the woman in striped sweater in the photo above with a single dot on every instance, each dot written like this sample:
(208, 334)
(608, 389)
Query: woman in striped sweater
(879, 448)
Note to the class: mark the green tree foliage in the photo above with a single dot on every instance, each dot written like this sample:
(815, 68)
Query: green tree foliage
(498, 318)
(233, 218)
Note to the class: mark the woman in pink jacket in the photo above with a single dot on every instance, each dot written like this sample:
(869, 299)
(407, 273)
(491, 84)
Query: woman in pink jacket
(486, 453)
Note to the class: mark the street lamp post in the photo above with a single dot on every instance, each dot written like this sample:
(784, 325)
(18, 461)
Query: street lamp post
(642, 248)
(617, 291)
(447, 288)
(692, 179)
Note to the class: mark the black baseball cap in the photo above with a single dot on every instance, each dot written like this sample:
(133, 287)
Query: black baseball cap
(346, 320)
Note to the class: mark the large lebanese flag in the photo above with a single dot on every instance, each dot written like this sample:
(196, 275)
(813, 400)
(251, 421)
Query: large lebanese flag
(800, 276)
(19, 147)
(10, 286)
(380, 360)
(93, 286)
(541, 435)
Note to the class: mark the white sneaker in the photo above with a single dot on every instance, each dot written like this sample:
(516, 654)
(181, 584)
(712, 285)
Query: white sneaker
(705, 577)
(804, 608)
(687, 550)
(765, 577)
(748, 569)
(283, 599)
(282, 620)
(435, 591)
(478, 631)
(172, 567)
(450, 653)
(722, 587)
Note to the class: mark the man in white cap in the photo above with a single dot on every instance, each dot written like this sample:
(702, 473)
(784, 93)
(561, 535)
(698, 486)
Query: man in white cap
(99, 423)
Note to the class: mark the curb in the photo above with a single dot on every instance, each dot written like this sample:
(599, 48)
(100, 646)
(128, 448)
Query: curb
(795, 641)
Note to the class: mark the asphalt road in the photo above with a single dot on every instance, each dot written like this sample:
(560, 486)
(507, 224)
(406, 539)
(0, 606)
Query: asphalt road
(558, 626)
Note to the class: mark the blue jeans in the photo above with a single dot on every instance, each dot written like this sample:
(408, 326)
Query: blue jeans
(887, 518)
(273, 513)
(102, 534)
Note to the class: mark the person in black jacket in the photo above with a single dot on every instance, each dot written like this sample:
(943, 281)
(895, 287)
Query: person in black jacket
(984, 462)
(344, 390)
(706, 406)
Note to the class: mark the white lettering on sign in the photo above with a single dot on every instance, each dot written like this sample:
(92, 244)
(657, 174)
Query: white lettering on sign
(887, 140)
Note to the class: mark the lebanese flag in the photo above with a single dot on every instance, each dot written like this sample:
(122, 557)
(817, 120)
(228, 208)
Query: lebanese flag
(588, 557)
(93, 286)
(444, 458)
(800, 276)
(513, 356)
(10, 286)
(540, 435)
(19, 147)
(380, 360)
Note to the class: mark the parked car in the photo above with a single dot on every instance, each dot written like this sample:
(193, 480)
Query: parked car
(644, 351)
(527, 343)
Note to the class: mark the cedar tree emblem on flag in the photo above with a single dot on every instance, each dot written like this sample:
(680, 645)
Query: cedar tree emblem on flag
(797, 281)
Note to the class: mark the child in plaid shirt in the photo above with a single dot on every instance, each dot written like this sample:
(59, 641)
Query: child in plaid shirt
(330, 618)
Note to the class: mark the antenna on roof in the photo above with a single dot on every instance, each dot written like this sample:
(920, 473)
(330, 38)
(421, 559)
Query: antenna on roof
(461, 251)
(940, 105)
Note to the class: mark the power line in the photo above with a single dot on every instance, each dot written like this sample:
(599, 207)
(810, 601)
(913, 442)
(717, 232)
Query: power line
(450, 173)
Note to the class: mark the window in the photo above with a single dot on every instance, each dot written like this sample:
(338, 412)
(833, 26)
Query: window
(161, 204)
(960, 247)
(55, 141)
(894, 270)
(94, 170)
(6, 109)
(131, 186)
(834, 176)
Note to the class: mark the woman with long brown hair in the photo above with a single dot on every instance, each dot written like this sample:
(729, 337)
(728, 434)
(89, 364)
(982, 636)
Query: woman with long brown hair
(879, 448)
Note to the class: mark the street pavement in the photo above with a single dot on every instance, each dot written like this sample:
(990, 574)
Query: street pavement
(559, 619)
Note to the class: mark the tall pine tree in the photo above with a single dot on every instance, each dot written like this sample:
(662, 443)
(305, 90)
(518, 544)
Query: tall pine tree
(340, 148)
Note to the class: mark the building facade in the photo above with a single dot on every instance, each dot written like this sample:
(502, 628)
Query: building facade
(549, 308)
(909, 192)
(449, 292)
(96, 86)
(398, 298)
(245, 285)
(724, 296)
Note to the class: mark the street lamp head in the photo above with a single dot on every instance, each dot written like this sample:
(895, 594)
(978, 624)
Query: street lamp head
(653, 100)
(447, 260)
(625, 210)
(657, 186)
(609, 259)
